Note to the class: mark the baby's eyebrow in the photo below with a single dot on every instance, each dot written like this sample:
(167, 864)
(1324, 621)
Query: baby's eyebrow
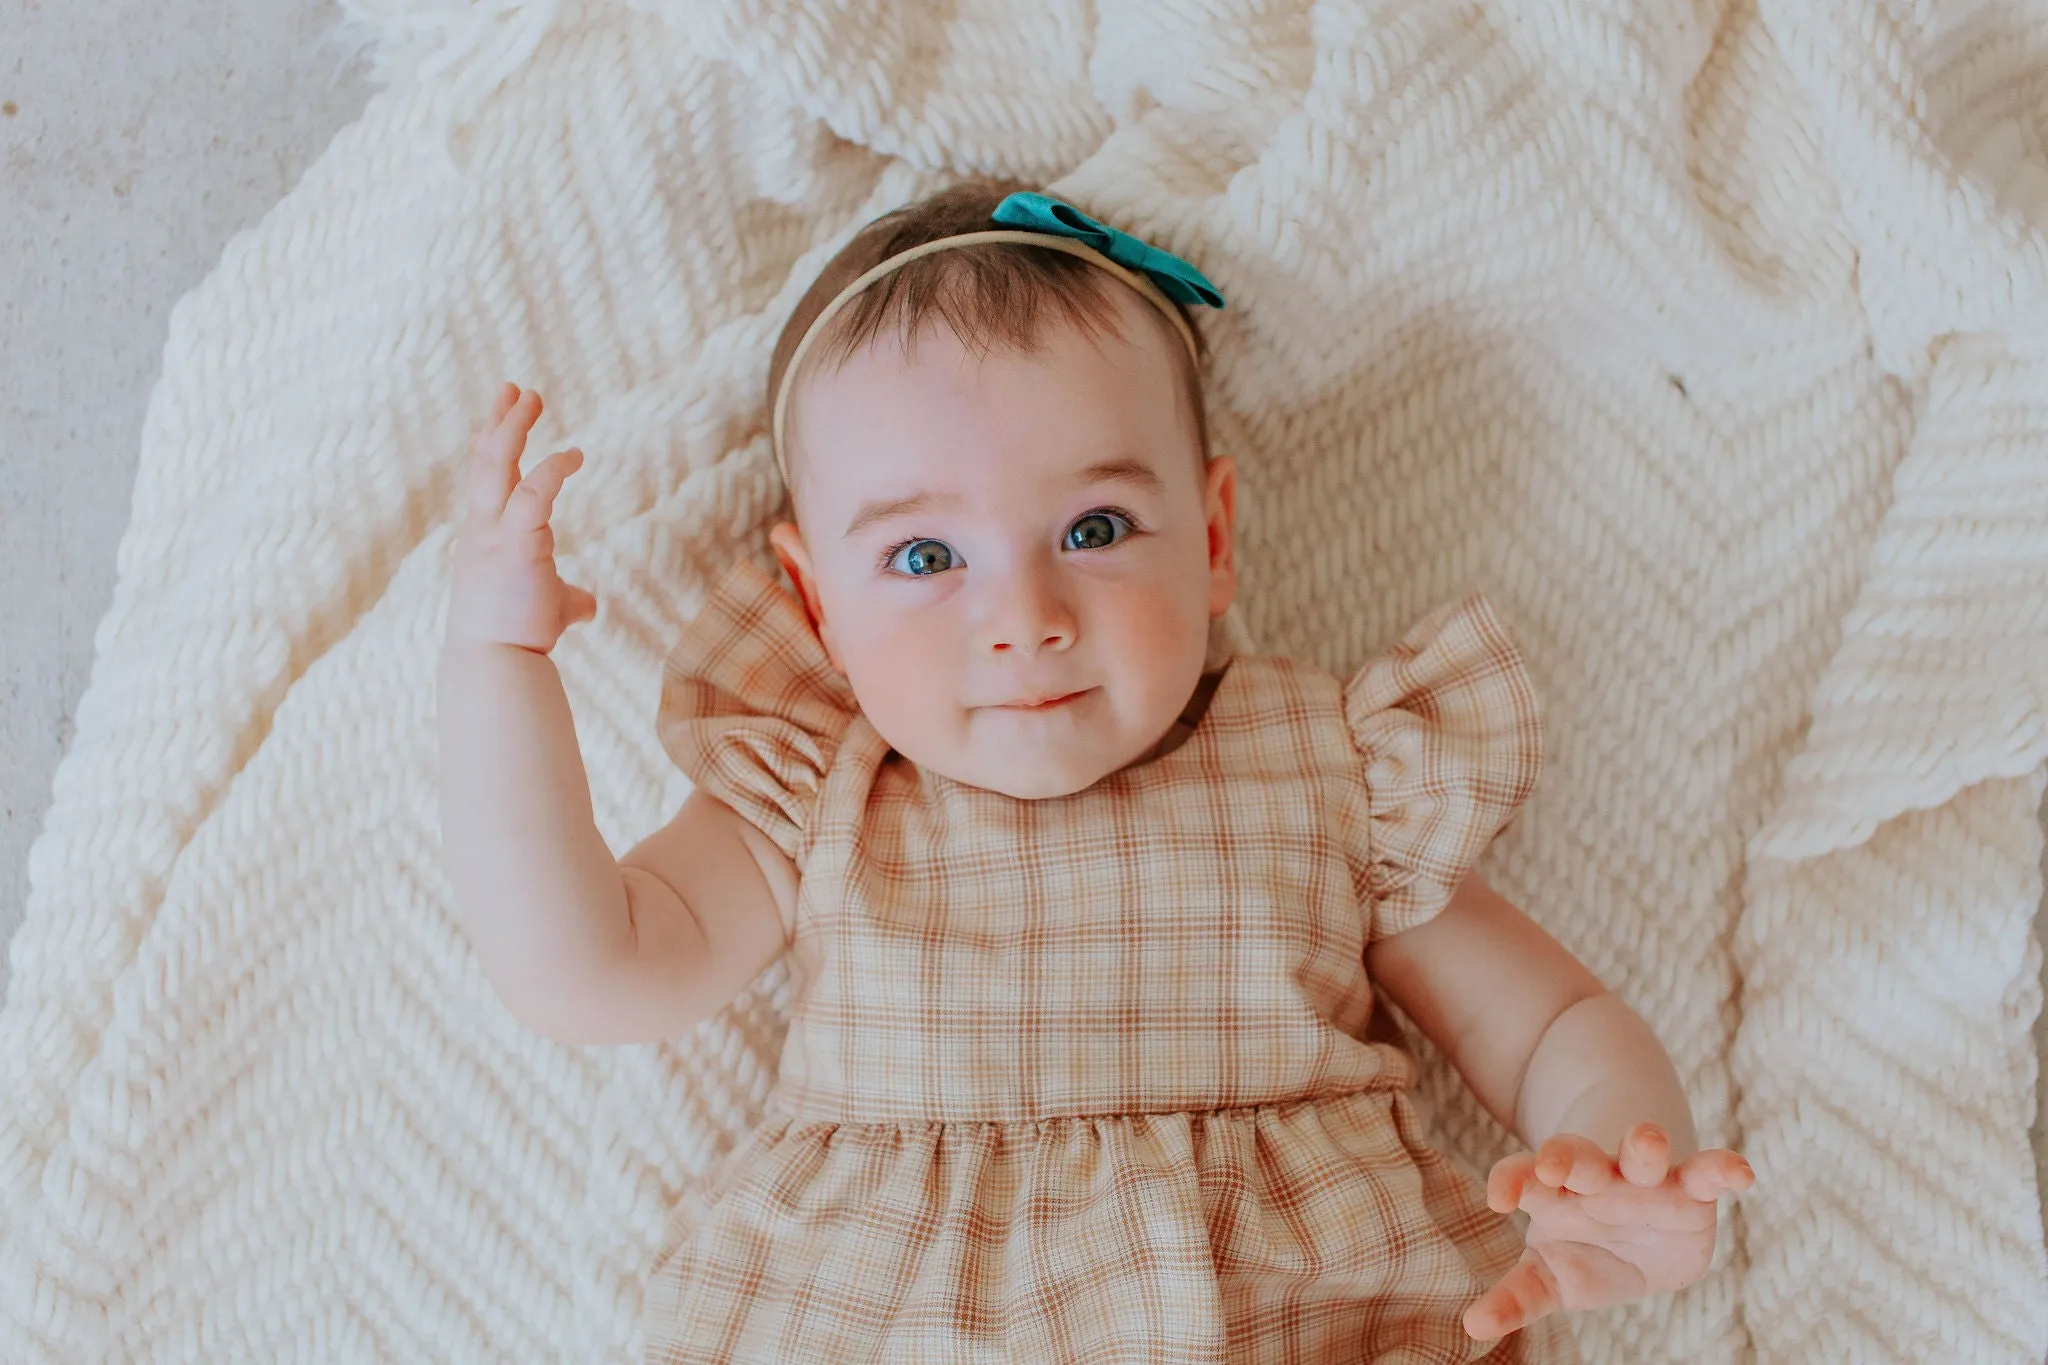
(882, 509)
(1124, 469)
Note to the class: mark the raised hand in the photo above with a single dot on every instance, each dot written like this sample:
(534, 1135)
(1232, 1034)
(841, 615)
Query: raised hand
(506, 589)
(1603, 1228)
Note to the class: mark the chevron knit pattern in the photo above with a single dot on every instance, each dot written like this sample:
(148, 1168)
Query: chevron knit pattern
(1710, 339)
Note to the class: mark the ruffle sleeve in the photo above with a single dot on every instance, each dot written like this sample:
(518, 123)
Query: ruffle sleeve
(1447, 725)
(751, 708)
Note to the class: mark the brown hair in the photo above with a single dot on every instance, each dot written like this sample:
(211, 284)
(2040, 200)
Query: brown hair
(990, 293)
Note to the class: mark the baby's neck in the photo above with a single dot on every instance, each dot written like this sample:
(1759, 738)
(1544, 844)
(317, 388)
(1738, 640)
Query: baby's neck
(1184, 724)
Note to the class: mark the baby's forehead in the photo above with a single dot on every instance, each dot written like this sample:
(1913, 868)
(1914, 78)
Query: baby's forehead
(1005, 416)
(988, 422)
(1124, 369)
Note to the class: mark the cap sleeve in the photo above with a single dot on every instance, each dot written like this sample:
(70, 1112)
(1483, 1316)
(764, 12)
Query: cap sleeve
(751, 708)
(1447, 725)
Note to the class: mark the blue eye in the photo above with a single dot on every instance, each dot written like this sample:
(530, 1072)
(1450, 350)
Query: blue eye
(1097, 530)
(921, 558)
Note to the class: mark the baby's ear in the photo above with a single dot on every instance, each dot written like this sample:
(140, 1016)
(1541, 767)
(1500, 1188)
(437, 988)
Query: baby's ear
(795, 556)
(1220, 508)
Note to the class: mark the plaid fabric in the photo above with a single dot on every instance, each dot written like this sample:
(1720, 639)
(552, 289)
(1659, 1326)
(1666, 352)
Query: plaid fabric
(1083, 1079)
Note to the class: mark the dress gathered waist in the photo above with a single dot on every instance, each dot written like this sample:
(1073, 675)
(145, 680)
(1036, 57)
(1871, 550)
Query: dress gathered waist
(790, 1111)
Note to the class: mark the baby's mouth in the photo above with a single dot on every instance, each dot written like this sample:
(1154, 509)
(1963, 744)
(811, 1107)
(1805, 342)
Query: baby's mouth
(1047, 702)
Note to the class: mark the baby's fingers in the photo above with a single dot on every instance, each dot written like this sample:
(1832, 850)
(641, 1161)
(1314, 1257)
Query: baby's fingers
(1645, 1155)
(533, 501)
(1506, 1181)
(495, 449)
(1578, 1164)
(1710, 1175)
(1524, 1294)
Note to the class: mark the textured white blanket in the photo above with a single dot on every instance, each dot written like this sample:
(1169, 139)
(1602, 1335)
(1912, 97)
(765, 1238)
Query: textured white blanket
(1711, 340)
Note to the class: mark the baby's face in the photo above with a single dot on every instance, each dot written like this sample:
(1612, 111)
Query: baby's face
(1014, 559)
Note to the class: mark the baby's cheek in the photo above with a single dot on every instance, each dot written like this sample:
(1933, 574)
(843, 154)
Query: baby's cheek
(905, 679)
(1162, 636)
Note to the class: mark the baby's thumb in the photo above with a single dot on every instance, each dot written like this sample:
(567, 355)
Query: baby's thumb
(582, 605)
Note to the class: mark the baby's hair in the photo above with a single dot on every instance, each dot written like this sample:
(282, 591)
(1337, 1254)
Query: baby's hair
(988, 294)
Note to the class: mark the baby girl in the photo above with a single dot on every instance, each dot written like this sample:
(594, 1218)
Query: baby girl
(1088, 915)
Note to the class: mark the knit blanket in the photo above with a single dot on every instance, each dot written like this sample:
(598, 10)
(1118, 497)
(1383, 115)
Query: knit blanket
(1711, 340)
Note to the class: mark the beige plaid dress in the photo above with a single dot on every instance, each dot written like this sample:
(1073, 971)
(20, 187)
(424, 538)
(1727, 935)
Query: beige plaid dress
(1083, 1079)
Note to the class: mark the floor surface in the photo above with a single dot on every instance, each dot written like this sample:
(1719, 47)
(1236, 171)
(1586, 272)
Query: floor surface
(135, 139)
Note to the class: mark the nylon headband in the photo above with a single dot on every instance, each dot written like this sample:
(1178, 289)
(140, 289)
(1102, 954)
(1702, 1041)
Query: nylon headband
(889, 267)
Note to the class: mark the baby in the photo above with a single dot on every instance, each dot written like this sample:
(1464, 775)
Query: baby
(1087, 919)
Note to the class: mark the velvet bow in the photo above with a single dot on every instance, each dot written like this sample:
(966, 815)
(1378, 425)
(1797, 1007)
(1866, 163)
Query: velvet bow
(1176, 279)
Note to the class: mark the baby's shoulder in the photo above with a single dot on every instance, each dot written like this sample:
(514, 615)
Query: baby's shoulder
(1275, 712)
(1284, 688)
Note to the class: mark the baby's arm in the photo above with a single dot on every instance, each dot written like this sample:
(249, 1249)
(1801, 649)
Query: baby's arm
(1616, 1208)
(1542, 1043)
(578, 946)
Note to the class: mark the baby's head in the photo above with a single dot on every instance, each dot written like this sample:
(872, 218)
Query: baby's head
(1009, 533)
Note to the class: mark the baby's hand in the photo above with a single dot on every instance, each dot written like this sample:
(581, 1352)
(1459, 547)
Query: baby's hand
(1603, 1229)
(506, 589)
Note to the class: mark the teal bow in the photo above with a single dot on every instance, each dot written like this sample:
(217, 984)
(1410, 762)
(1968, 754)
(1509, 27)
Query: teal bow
(1175, 277)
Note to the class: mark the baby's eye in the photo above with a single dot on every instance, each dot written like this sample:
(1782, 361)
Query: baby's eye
(1098, 529)
(922, 558)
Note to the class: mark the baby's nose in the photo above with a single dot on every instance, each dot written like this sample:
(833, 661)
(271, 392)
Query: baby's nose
(1057, 639)
(1033, 616)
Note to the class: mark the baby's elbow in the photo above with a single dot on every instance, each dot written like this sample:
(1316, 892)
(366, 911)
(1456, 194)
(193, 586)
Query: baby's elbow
(553, 998)
(533, 1002)
(577, 1018)
(549, 1014)
(602, 1003)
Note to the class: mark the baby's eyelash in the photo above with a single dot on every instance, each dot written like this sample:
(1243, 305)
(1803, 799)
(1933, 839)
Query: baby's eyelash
(889, 555)
(1125, 513)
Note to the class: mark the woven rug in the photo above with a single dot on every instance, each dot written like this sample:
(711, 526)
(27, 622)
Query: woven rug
(1710, 339)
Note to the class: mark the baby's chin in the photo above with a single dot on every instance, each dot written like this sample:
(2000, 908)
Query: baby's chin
(1042, 784)
(1028, 771)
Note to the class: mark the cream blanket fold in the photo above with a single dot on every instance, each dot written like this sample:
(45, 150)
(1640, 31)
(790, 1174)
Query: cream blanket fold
(1710, 340)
